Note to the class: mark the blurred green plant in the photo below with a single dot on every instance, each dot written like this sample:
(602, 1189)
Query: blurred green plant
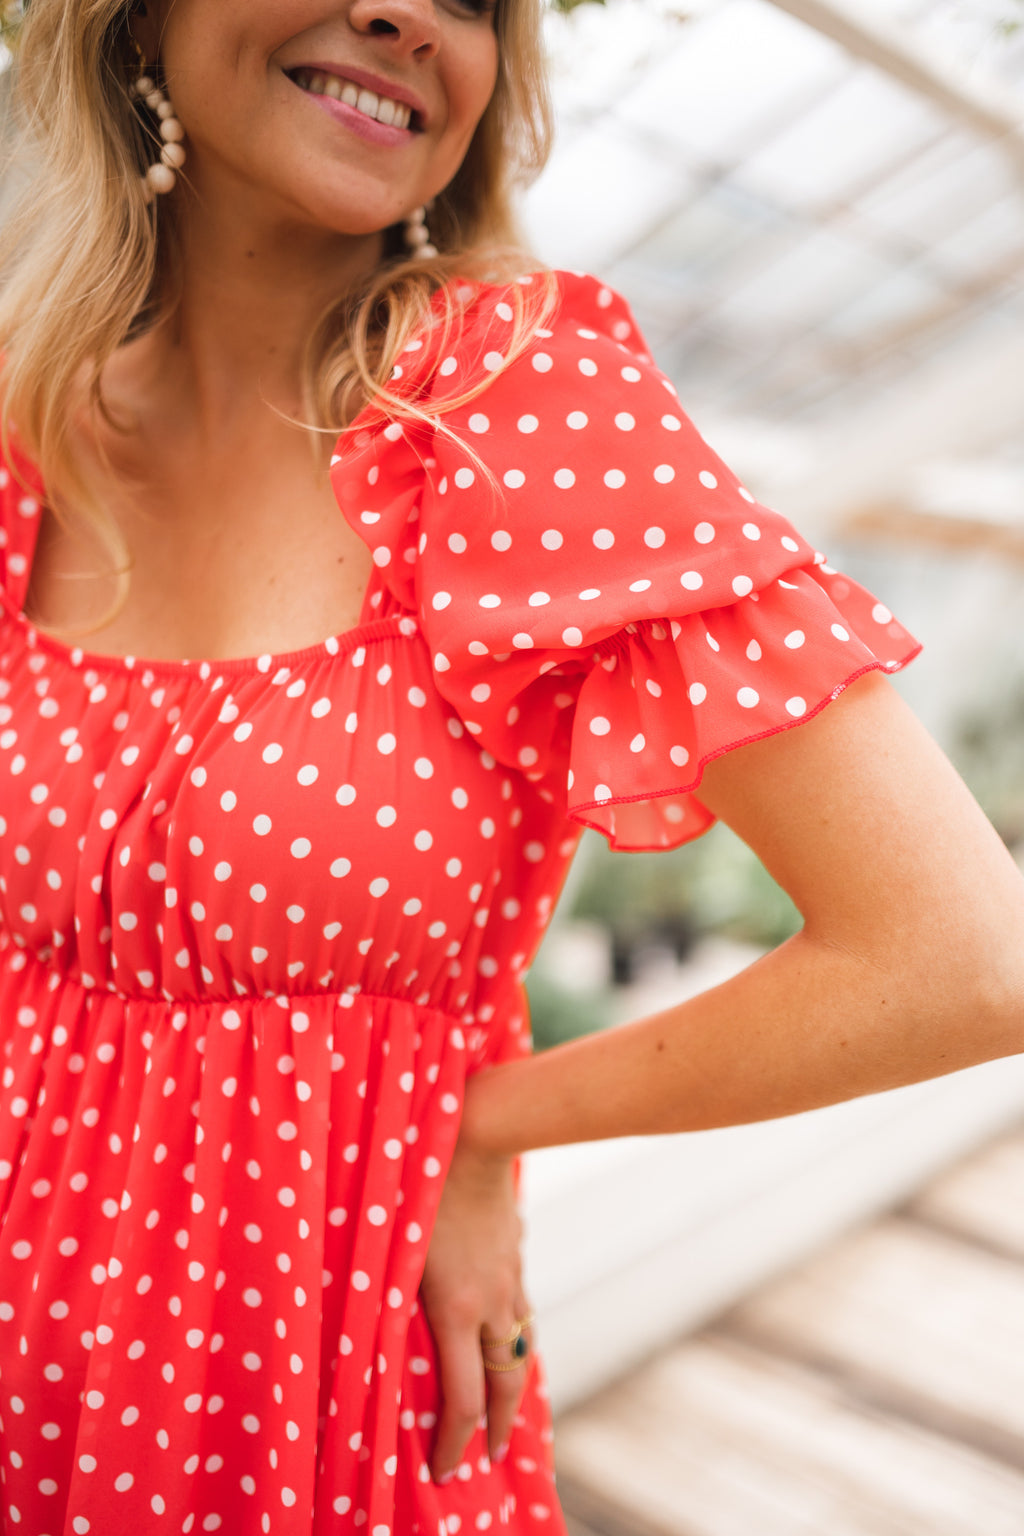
(668, 901)
(714, 885)
(989, 751)
(558, 1013)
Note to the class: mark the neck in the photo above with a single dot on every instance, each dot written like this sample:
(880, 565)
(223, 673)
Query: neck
(250, 295)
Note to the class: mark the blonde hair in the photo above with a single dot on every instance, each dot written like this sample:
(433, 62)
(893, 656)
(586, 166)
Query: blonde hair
(86, 264)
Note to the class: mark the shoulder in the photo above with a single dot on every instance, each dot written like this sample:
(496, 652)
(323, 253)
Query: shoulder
(566, 324)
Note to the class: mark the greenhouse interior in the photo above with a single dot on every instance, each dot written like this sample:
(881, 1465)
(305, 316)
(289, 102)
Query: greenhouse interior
(815, 209)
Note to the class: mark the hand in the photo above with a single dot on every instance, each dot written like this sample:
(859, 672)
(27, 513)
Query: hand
(472, 1291)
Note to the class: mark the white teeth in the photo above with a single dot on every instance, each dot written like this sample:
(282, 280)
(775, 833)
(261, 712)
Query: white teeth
(394, 114)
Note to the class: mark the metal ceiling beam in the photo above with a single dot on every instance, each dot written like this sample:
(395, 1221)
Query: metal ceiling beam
(982, 103)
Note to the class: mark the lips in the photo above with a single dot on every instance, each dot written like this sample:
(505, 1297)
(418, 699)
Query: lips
(357, 94)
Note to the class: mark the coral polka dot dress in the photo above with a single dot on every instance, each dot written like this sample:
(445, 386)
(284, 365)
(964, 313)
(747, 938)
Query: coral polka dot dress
(260, 918)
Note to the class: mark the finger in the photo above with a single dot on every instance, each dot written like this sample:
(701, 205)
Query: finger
(504, 1388)
(463, 1395)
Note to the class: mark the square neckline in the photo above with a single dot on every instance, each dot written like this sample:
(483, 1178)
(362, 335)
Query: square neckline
(368, 627)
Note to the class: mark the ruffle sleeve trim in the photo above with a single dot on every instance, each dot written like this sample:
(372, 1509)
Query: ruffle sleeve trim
(607, 608)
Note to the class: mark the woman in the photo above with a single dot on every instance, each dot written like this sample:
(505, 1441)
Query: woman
(265, 914)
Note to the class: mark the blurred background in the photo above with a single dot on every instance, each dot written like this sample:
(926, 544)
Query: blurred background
(816, 210)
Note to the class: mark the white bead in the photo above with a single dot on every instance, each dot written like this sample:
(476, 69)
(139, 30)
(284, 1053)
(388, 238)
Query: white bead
(426, 251)
(160, 177)
(171, 130)
(165, 109)
(144, 85)
(173, 155)
(153, 99)
(417, 234)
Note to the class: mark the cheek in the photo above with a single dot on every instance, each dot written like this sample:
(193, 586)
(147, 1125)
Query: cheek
(473, 83)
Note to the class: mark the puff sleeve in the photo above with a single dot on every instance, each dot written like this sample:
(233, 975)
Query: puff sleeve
(607, 608)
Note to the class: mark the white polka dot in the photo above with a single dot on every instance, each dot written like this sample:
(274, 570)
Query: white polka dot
(751, 531)
(654, 537)
(795, 639)
(790, 544)
(464, 478)
(440, 601)
(527, 424)
(679, 756)
(796, 706)
(614, 479)
(671, 423)
(748, 698)
(708, 479)
(479, 423)
(704, 533)
(576, 420)
(691, 580)
(262, 825)
(742, 585)
(603, 538)
(840, 633)
(697, 693)
(572, 636)
(564, 479)
(551, 538)
(664, 474)
(587, 367)
(881, 614)
(515, 480)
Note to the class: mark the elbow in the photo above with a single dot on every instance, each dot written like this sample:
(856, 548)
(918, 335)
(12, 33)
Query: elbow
(983, 999)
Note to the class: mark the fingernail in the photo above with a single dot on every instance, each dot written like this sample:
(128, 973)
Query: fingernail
(500, 1453)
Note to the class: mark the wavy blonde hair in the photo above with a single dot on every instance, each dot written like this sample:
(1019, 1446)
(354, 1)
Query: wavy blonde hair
(86, 264)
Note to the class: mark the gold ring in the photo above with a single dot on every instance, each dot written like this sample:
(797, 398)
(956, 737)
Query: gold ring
(513, 1365)
(510, 1338)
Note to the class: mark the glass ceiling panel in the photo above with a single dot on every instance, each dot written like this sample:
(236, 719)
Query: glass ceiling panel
(797, 229)
(822, 274)
(598, 196)
(741, 70)
(840, 145)
(986, 243)
(932, 196)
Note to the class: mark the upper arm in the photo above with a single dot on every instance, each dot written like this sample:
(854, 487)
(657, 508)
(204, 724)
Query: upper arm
(867, 825)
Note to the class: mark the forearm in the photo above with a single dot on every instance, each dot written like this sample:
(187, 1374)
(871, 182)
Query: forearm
(807, 1025)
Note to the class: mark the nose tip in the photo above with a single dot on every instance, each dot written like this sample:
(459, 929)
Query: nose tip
(409, 24)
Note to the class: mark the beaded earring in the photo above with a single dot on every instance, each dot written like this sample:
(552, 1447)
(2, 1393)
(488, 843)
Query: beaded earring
(162, 175)
(417, 235)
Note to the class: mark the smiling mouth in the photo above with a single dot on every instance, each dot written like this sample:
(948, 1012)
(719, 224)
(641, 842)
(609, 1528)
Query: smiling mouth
(394, 114)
